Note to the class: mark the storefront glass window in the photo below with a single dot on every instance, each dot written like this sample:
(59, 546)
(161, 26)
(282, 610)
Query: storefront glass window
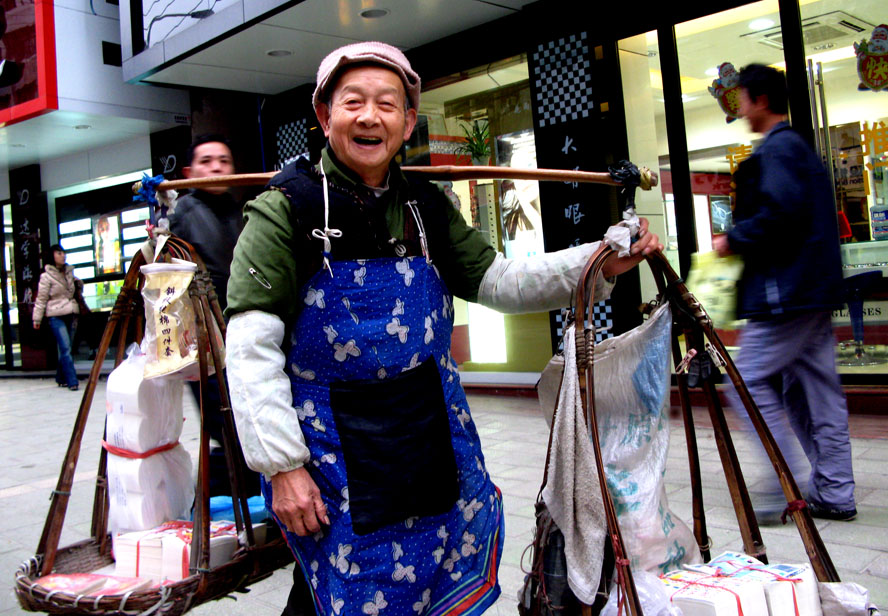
(646, 130)
(711, 51)
(847, 55)
(101, 229)
(489, 105)
(851, 122)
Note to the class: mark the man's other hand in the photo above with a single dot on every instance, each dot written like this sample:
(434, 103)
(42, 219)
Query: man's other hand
(297, 502)
(646, 243)
(721, 246)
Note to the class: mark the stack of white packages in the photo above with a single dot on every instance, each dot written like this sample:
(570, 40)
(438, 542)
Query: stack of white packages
(734, 583)
(789, 589)
(143, 416)
(164, 553)
(701, 594)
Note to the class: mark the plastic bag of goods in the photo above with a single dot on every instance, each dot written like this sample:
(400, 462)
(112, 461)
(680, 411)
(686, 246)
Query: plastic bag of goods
(141, 415)
(713, 281)
(651, 594)
(144, 492)
(170, 322)
(149, 472)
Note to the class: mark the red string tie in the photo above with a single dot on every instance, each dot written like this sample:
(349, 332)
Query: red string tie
(796, 505)
(135, 455)
(689, 583)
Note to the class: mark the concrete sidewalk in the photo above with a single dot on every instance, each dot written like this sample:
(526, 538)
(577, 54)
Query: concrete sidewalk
(36, 419)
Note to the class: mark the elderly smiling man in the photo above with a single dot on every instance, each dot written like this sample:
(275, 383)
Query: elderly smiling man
(343, 387)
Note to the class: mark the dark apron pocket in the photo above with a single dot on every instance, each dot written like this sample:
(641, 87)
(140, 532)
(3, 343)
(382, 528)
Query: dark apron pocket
(396, 442)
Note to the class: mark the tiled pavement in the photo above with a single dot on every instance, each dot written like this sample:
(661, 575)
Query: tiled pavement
(36, 420)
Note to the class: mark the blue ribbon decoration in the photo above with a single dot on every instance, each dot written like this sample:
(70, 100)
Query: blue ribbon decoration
(147, 193)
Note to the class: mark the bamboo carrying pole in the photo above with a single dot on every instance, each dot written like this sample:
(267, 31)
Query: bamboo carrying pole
(648, 179)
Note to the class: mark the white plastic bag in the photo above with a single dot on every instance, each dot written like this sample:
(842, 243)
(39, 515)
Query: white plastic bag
(143, 415)
(145, 492)
(651, 593)
(845, 599)
(170, 323)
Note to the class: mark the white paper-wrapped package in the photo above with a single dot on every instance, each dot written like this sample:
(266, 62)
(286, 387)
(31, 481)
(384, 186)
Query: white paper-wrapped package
(145, 492)
(142, 414)
(789, 589)
(699, 594)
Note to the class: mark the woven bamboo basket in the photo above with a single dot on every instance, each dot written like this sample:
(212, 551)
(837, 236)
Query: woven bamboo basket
(249, 564)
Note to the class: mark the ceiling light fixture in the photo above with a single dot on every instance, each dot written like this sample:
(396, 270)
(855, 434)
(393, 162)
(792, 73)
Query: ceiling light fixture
(82, 126)
(712, 72)
(760, 24)
(373, 13)
(278, 53)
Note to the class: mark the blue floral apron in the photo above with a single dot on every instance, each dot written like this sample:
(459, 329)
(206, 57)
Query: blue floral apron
(382, 320)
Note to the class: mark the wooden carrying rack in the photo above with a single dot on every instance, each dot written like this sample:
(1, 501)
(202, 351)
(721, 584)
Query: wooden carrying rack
(690, 319)
(249, 564)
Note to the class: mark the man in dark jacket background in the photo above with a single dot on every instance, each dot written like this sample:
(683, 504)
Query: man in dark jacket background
(786, 231)
(211, 220)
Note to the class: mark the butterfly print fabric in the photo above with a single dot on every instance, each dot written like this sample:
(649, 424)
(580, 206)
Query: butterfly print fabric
(377, 319)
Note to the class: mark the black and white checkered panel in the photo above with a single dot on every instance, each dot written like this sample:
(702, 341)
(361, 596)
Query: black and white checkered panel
(602, 322)
(292, 141)
(562, 80)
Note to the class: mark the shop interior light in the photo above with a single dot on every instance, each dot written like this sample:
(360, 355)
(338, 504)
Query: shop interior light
(712, 72)
(760, 24)
(825, 57)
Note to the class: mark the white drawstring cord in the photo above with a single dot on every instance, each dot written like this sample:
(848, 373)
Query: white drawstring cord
(327, 233)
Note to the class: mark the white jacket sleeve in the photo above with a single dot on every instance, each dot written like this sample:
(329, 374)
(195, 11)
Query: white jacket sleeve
(261, 398)
(536, 284)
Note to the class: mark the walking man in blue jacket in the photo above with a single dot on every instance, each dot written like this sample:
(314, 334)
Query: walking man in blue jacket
(785, 229)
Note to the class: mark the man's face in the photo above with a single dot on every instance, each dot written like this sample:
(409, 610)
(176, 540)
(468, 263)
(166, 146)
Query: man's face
(212, 158)
(755, 111)
(366, 122)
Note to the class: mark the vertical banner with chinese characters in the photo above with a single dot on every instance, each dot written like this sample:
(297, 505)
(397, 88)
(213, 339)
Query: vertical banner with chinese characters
(573, 129)
(30, 241)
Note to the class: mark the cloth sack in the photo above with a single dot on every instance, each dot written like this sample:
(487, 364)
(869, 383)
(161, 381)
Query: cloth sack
(632, 374)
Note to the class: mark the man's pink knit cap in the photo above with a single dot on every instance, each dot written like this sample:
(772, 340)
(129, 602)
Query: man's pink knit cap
(371, 52)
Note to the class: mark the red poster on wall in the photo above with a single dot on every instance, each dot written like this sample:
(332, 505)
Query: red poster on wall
(27, 60)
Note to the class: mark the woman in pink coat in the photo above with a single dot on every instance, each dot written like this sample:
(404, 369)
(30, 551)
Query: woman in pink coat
(56, 300)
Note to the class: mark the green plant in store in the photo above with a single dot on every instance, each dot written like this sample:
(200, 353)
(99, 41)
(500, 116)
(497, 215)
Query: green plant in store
(477, 143)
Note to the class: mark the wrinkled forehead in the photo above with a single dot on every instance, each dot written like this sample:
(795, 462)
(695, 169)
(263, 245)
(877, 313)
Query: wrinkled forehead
(362, 75)
(211, 148)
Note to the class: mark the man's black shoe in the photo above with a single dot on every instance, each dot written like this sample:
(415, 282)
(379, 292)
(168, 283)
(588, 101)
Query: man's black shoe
(828, 513)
